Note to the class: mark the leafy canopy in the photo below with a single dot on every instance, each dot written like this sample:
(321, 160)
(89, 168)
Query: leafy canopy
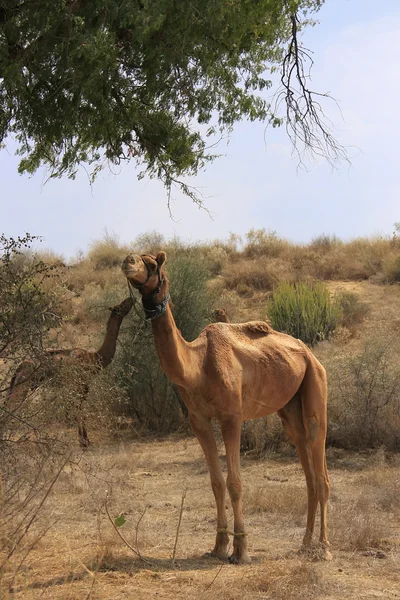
(94, 81)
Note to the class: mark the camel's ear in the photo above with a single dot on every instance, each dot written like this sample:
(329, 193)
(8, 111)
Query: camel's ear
(161, 258)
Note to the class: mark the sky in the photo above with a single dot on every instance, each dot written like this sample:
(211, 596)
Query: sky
(256, 182)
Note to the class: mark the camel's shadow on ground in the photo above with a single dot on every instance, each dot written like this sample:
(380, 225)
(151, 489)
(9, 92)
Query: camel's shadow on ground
(130, 566)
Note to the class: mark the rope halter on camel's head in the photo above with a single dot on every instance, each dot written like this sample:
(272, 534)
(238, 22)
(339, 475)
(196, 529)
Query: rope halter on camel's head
(149, 266)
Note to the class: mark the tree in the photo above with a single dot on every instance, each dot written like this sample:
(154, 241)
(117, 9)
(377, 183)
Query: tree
(94, 81)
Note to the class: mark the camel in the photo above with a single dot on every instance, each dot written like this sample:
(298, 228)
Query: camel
(232, 373)
(30, 373)
(220, 316)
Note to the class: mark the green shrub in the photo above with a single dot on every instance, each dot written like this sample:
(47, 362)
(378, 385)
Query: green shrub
(152, 399)
(303, 310)
(353, 310)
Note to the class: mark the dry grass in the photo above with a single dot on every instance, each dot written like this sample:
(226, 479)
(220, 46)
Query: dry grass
(359, 524)
(243, 271)
(82, 557)
(107, 252)
(248, 276)
(277, 497)
(300, 581)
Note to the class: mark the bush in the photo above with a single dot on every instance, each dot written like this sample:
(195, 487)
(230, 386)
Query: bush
(107, 252)
(391, 270)
(153, 400)
(303, 310)
(216, 258)
(31, 457)
(264, 243)
(27, 308)
(352, 310)
(248, 275)
(149, 242)
(364, 398)
(325, 242)
(261, 435)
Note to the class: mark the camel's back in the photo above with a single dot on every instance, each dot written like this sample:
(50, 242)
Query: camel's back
(253, 336)
(267, 366)
(254, 344)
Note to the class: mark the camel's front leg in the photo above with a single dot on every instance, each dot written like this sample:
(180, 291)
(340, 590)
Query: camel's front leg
(203, 431)
(231, 428)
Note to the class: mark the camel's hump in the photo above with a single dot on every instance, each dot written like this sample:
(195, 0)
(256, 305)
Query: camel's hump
(259, 327)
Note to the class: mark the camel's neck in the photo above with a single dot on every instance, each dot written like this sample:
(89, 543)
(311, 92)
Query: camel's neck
(107, 351)
(173, 351)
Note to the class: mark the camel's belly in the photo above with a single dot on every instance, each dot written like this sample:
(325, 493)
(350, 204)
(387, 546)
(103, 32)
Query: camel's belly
(265, 391)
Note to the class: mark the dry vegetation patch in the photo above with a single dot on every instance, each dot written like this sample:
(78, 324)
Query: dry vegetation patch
(277, 497)
(82, 556)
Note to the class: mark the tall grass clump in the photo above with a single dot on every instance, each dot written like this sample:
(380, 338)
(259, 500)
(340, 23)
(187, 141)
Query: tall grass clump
(304, 310)
(152, 399)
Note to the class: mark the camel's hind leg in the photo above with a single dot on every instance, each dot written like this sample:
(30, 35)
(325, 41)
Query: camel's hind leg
(304, 419)
(314, 405)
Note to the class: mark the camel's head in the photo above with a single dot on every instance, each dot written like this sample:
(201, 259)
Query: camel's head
(123, 308)
(220, 316)
(144, 272)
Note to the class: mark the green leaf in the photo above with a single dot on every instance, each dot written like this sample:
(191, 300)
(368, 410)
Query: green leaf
(120, 520)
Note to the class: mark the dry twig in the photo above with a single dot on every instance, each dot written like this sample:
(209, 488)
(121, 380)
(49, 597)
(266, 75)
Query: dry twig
(305, 120)
(135, 551)
(179, 524)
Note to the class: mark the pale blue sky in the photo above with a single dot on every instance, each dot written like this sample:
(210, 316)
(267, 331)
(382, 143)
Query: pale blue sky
(256, 183)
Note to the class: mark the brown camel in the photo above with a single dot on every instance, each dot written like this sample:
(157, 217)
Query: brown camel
(235, 372)
(30, 373)
(220, 316)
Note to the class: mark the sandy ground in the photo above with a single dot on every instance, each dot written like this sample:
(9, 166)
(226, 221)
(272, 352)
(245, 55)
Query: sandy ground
(81, 557)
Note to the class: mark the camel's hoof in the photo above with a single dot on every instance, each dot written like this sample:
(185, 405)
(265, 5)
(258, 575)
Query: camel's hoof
(326, 554)
(243, 560)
